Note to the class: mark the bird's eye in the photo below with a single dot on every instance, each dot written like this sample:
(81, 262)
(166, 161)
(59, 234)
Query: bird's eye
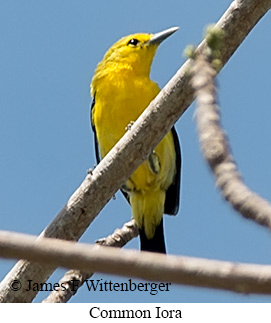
(133, 42)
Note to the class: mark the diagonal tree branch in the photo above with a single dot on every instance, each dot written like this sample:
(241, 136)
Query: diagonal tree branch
(236, 277)
(132, 149)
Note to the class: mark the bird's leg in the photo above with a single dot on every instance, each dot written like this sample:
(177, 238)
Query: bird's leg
(129, 126)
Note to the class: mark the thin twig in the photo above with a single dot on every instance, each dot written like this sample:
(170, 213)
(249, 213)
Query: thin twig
(240, 278)
(216, 149)
(118, 239)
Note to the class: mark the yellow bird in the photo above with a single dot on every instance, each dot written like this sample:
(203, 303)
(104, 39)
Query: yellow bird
(121, 89)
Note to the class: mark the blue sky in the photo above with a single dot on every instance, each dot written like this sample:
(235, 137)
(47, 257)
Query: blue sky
(49, 50)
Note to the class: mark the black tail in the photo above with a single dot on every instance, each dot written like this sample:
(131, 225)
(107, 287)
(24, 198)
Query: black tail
(157, 243)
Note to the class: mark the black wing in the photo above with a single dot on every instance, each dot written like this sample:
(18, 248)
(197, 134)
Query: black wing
(173, 192)
(97, 153)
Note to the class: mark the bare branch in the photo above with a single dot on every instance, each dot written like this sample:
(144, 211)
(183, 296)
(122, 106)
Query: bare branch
(240, 278)
(118, 239)
(216, 150)
(132, 149)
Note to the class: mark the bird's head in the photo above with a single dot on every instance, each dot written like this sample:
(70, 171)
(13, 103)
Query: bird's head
(135, 52)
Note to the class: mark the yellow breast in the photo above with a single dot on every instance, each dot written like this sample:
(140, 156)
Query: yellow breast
(120, 101)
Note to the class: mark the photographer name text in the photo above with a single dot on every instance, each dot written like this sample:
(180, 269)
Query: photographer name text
(100, 285)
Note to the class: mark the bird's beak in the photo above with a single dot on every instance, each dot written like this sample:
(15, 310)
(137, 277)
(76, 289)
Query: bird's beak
(157, 38)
